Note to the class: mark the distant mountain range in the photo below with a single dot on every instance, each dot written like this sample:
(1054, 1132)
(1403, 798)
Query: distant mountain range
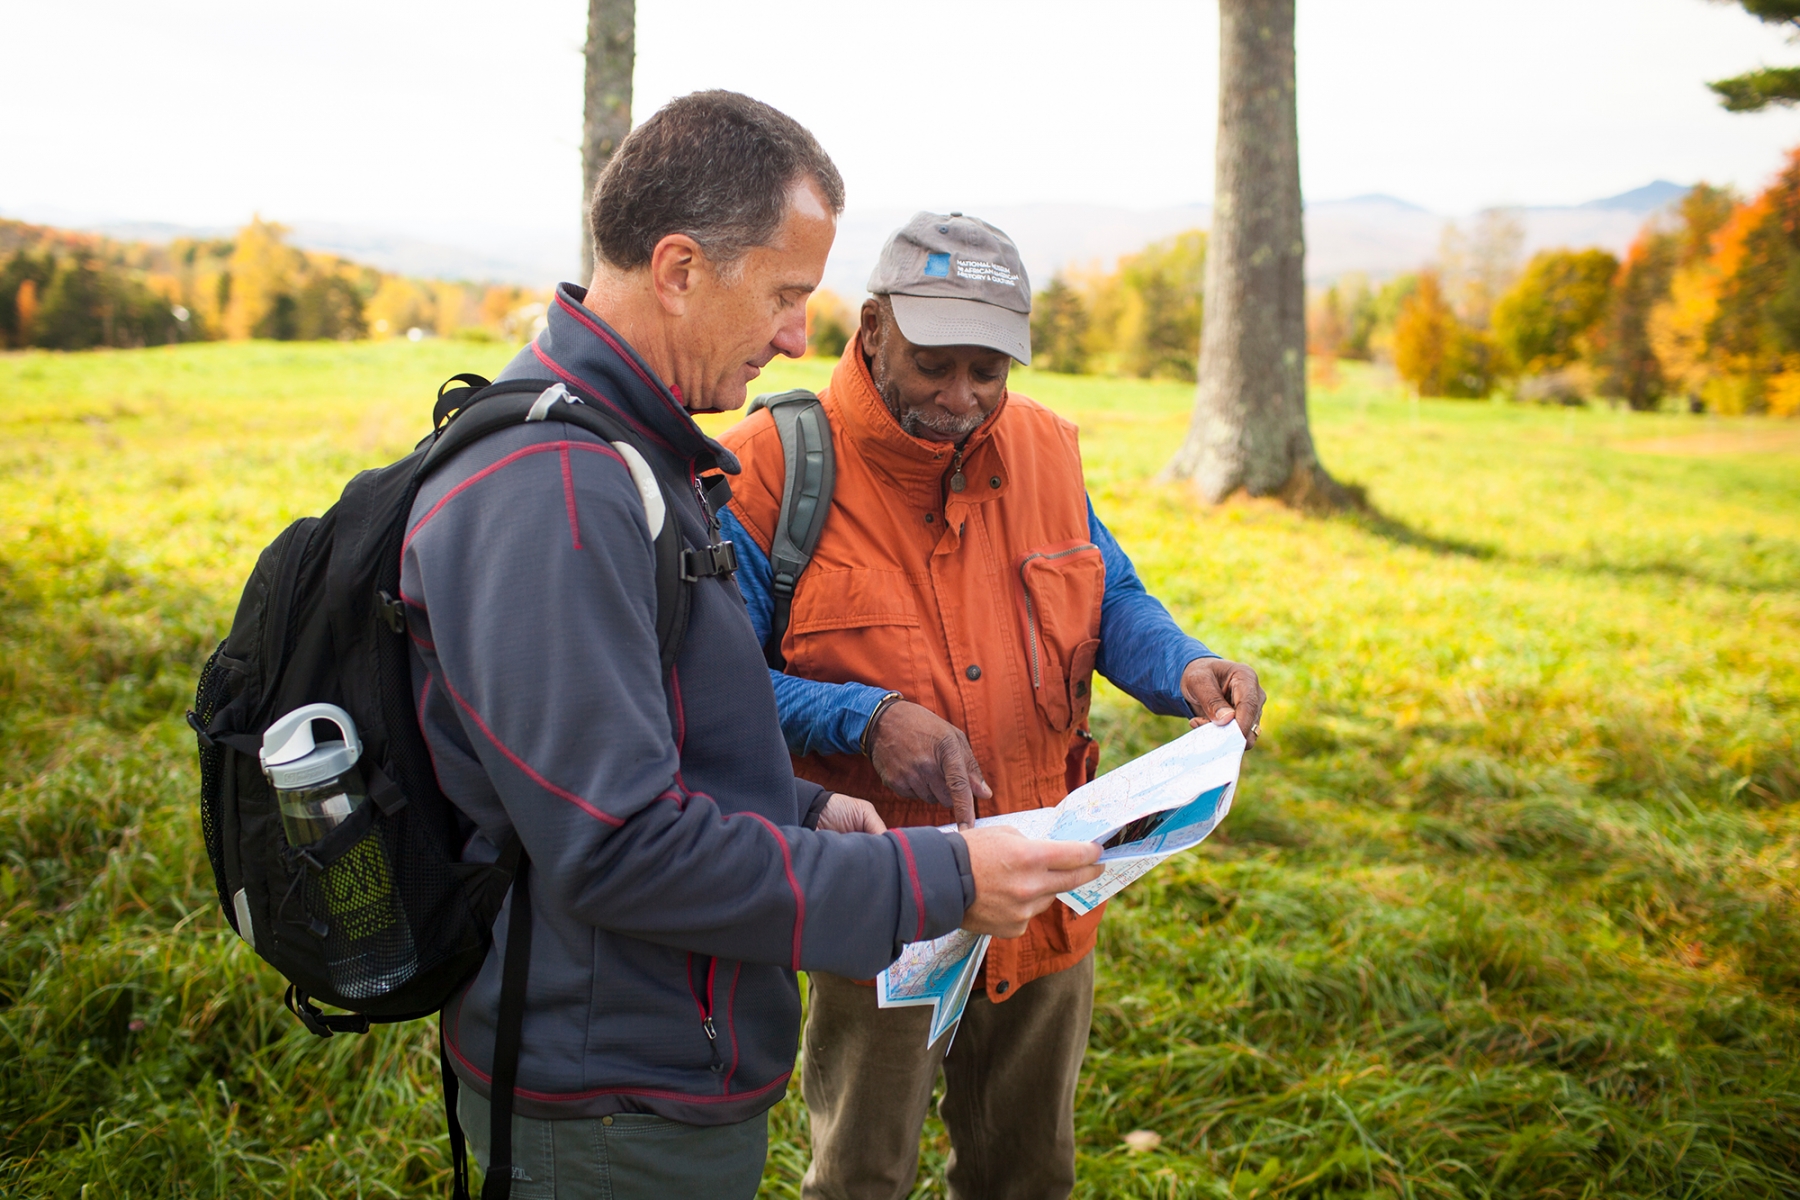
(1375, 234)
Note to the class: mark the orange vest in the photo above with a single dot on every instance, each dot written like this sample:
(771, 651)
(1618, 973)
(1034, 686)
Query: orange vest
(982, 604)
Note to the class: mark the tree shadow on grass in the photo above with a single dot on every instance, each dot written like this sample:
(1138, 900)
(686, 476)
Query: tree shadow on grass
(1760, 577)
(1372, 520)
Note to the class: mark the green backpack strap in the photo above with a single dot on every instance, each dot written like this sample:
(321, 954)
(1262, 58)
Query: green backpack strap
(811, 474)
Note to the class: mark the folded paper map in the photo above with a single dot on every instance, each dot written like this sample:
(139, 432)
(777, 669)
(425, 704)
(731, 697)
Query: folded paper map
(1149, 809)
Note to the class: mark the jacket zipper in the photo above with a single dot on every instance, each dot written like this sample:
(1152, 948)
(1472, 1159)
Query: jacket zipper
(957, 482)
(1031, 631)
(712, 522)
(705, 1003)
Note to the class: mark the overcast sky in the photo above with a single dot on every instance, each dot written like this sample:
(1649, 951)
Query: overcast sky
(451, 117)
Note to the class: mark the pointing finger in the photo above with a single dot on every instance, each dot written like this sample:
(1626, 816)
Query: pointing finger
(955, 769)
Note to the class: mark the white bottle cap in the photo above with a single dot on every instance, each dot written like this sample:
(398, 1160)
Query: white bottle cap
(290, 757)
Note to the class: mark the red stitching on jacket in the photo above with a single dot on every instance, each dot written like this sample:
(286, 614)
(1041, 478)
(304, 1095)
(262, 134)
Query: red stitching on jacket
(731, 1023)
(520, 763)
(680, 721)
(515, 456)
(912, 873)
(569, 498)
(566, 1097)
(599, 331)
(570, 377)
(787, 861)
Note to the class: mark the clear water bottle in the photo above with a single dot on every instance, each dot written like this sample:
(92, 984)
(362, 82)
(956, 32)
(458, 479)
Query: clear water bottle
(369, 947)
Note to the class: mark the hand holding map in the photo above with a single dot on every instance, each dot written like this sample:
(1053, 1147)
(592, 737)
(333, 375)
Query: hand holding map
(1142, 813)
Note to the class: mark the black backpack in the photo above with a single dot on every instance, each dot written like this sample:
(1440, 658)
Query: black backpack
(807, 485)
(320, 622)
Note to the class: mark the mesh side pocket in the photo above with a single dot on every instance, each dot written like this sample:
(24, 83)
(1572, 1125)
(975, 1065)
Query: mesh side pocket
(423, 839)
(428, 888)
(213, 692)
(368, 942)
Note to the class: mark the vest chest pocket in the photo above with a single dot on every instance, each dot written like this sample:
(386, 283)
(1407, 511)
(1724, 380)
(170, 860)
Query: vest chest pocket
(855, 626)
(1060, 590)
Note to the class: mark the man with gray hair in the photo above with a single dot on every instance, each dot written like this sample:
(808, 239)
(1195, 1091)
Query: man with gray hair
(679, 874)
(938, 658)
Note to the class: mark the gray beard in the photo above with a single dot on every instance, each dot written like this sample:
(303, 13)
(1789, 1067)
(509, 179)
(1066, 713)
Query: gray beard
(913, 420)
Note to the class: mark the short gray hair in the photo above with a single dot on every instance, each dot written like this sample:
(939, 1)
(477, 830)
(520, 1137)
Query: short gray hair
(717, 166)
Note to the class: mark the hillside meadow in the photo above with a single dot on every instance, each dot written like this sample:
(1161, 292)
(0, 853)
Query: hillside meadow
(1507, 906)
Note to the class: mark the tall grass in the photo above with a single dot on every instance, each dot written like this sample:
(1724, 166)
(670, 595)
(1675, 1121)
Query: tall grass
(1507, 905)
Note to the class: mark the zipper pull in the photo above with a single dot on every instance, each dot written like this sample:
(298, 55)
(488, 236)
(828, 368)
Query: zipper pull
(712, 522)
(957, 482)
(712, 1038)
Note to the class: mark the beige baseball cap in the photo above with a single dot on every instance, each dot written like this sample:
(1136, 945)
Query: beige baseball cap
(956, 281)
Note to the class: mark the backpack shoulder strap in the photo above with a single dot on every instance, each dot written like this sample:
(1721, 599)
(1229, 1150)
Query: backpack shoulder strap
(478, 412)
(810, 477)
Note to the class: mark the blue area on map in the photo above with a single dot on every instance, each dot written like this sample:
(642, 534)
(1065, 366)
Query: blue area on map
(1183, 825)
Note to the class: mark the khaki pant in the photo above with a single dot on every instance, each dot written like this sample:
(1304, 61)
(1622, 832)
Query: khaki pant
(1009, 1090)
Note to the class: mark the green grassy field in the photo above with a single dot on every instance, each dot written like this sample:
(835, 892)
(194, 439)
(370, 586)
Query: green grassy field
(1507, 905)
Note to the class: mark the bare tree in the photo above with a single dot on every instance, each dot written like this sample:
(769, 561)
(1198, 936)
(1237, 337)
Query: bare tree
(606, 115)
(1250, 429)
(1478, 267)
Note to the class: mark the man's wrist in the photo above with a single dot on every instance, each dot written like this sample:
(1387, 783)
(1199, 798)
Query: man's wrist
(866, 745)
(1181, 680)
(959, 849)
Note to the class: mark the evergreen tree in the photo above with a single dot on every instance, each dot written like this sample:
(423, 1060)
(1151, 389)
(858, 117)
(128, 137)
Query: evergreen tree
(73, 314)
(1059, 323)
(1757, 90)
(328, 307)
(1164, 285)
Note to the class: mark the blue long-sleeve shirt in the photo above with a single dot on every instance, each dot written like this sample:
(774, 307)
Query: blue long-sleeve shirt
(1142, 651)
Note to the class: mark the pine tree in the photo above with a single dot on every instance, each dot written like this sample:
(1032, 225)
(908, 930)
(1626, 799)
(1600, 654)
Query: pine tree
(1756, 90)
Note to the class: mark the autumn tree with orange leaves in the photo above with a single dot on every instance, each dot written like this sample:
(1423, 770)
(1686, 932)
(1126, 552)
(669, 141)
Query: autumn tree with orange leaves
(1727, 336)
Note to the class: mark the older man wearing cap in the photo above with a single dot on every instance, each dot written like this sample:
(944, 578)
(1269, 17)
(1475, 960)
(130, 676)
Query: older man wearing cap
(938, 656)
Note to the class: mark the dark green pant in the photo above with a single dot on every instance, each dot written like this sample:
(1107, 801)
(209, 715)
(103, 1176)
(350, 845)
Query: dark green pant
(1009, 1090)
(630, 1156)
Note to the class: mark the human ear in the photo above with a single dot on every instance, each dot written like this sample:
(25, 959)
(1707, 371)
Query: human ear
(871, 326)
(676, 265)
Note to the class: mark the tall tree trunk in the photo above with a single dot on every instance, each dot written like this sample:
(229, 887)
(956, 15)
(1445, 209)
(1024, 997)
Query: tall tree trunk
(1249, 429)
(606, 115)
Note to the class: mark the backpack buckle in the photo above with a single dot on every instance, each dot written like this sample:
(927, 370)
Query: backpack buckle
(391, 612)
(720, 558)
(318, 1022)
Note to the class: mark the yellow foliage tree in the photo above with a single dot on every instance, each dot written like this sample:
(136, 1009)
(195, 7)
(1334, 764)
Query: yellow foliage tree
(264, 271)
(1143, 318)
(451, 304)
(1422, 336)
(829, 323)
(1435, 352)
(1678, 327)
(398, 306)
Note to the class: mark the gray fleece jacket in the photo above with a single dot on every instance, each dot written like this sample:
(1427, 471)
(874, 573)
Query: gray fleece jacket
(675, 888)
